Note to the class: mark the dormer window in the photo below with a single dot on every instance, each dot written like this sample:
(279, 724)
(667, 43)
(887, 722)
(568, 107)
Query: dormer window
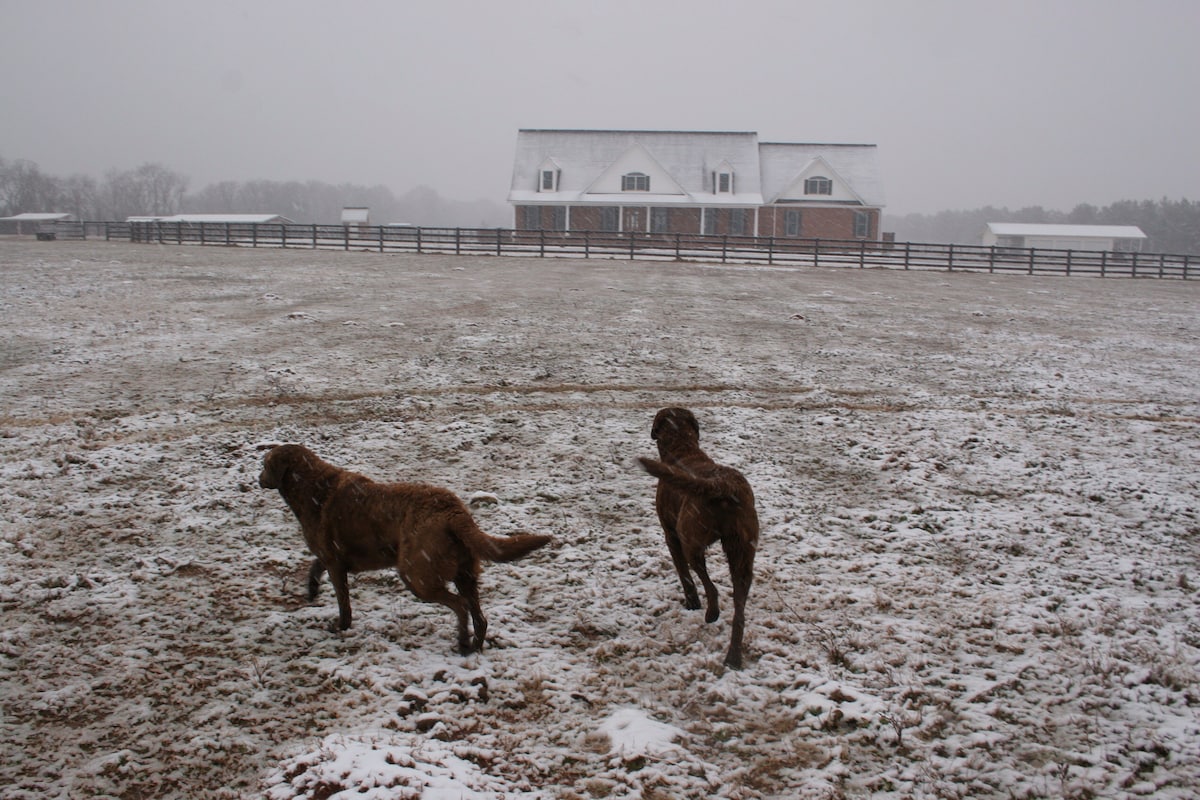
(635, 182)
(818, 185)
(549, 181)
(723, 182)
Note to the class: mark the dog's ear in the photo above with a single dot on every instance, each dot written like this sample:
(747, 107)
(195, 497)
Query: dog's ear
(690, 418)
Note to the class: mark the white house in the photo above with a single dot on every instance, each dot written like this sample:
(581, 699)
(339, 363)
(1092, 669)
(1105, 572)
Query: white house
(722, 182)
(1113, 238)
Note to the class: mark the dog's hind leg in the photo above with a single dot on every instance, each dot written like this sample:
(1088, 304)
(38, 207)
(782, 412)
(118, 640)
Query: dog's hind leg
(741, 571)
(314, 578)
(467, 584)
(711, 597)
(690, 599)
(440, 594)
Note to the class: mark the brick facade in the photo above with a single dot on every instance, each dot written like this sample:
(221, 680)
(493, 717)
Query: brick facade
(815, 222)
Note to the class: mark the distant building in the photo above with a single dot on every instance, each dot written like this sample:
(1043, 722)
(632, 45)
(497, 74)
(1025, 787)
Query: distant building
(1113, 238)
(217, 219)
(356, 216)
(32, 222)
(694, 182)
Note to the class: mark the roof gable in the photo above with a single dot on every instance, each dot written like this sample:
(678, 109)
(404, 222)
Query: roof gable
(855, 165)
(635, 160)
(819, 167)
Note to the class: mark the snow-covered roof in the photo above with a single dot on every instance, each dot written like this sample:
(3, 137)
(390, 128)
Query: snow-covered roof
(855, 164)
(238, 219)
(585, 155)
(1092, 231)
(36, 217)
(681, 164)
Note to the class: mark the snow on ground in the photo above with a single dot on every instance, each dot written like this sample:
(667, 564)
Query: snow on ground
(979, 498)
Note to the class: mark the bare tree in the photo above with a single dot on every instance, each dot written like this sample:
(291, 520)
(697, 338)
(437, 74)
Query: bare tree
(148, 189)
(24, 187)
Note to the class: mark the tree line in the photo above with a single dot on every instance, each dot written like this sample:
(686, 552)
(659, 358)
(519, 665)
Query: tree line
(155, 190)
(1171, 226)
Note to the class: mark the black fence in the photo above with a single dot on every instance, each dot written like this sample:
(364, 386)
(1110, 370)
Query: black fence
(761, 250)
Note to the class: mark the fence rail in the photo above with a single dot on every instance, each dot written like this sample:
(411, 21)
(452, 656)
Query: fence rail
(769, 251)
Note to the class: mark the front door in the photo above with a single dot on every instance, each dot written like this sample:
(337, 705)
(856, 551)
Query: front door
(633, 219)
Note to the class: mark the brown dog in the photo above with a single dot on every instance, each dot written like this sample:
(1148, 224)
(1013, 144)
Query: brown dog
(700, 502)
(353, 524)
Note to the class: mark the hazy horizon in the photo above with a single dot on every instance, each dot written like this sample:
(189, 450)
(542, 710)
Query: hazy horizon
(971, 104)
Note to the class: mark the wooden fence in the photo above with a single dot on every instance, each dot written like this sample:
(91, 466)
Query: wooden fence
(768, 251)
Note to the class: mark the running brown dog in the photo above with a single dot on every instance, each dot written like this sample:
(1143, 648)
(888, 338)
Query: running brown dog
(700, 502)
(353, 524)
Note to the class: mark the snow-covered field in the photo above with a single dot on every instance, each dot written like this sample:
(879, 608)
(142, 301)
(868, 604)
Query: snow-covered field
(980, 500)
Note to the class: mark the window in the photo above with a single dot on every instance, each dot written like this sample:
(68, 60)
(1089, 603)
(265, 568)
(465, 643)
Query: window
(723, 182)
(610, 217)
(737, 221)
(862, 225)
(635, 182)
(548, 180)
(818, 185)
(659, 220)
(533, 218)
(558, 218)
(710, 219)
(791, 222)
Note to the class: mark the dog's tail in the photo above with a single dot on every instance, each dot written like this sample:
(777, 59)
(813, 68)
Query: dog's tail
(499, 549)
(709, 488)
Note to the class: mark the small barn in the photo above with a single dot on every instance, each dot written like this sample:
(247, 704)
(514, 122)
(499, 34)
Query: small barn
(1113, 238)
(30, 223)
(231, 219)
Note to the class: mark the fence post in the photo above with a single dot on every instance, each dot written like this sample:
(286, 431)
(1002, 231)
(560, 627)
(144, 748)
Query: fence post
(587, 244)
(771, 250)
(724, 247)
(950, 259)
(1103, 263)
(862, 254)
(345, 237)
(380, 229)
(1186, 262)
(816, 252)
(458, 241)
(542, 243)
(283, 234)
(419, 229)
(1031, 259)
(1134, 273)
(678, 252)
(499, 243)
(907, 253)
(1069, 252)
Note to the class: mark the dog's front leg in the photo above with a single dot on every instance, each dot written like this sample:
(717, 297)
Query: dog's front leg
(314, 578)
(341, 588)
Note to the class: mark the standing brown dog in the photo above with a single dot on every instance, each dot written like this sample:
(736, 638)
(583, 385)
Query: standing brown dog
(353, 524)
(700, 502)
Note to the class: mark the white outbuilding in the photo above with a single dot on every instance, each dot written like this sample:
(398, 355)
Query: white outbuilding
(1113, 238)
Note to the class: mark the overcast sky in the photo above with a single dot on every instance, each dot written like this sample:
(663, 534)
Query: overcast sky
(1049, 102)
